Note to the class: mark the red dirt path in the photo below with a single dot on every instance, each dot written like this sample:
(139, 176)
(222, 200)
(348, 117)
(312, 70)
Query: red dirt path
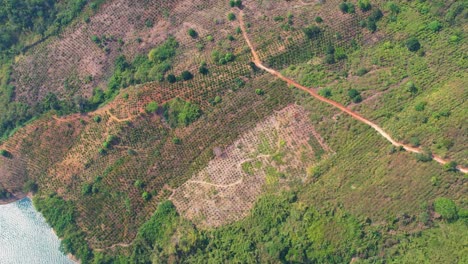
(258, 63)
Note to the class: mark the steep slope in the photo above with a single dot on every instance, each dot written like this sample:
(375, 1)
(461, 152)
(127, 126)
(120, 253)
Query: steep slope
(188, 113)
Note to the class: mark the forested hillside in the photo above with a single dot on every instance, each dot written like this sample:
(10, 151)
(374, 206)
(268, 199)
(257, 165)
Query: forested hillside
(264, 131)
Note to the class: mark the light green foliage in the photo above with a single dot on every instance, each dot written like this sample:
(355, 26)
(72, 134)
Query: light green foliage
(151, 107)
(435, 26)
(180, 113)
(446, 208)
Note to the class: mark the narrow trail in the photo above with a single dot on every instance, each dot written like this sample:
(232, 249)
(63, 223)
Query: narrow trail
(258, 63)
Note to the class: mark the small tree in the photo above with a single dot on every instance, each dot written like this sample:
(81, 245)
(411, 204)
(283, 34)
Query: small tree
(192, 33)
(451, 166)
(312, 31)
(259, 91)
(364, 5)
(446, 208)
(146, 196)
(176, 140)
(231, 17)
(325, 92)
(435, 26)
(151, 107)
(235, 3)
(203, 69)
(171, 78)
(330, 59)
(97, 119)
(410, 87)
(413, 44)
(318, 19)
(186, 75)
(4, 153)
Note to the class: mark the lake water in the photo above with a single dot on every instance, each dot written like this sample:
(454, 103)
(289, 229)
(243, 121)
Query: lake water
(26, 238)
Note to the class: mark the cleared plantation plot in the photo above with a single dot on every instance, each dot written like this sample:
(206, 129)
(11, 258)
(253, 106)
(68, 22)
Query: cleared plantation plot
(278, 150)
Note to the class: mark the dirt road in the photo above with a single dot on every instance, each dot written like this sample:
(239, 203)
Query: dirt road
(258, 63)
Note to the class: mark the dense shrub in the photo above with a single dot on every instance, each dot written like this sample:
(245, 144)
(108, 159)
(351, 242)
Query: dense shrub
(180, 113)
(231, 17)
(364, 5)
(435, 26)
(235, 3)
(347, 7)
(151, 107)
(413, 44)
(171, 78)
(312, 31)
(186, 75)
(446, 208)
(192, 33)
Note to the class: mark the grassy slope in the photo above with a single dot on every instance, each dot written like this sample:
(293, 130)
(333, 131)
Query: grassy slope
(369, 191)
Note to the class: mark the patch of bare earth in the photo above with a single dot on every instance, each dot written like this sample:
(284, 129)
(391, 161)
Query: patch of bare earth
(278, 150)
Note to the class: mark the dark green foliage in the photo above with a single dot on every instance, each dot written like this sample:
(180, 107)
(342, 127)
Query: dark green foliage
(43, 17)
(97, 118)
(5, 153)
(60, 214)
(203, 69)
(4, 194)
(149, 23)
(355, 95)
(30, 186)
(446, 208)
(235, 3)
(364, 5)
(180, 113)
(346, 7)
(192, 33)
(312, 31)
(330, 59)
(325, 92)
(413, 44)
(231, 17)
(411, 88)
(186, 75)
(86, 189)
(318, 19)
(278, 229)
(171, 78)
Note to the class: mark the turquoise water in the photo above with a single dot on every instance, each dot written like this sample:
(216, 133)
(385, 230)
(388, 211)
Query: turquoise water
(25, 237)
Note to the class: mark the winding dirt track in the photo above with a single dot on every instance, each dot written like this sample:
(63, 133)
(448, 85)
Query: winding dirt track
(258, 63)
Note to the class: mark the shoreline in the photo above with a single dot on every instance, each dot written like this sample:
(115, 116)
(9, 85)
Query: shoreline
(19, 196)
(15, 197)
